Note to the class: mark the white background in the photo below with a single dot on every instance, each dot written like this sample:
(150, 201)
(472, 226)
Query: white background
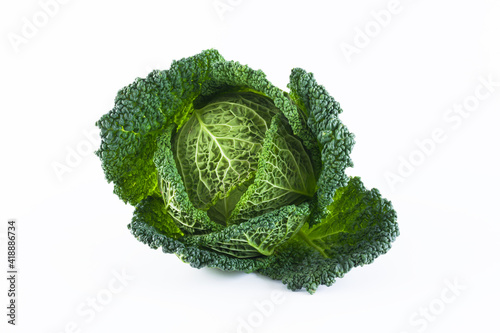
(399, 87)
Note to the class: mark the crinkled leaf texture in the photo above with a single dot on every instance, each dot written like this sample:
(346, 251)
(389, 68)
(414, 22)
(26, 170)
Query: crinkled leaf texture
(225, 170)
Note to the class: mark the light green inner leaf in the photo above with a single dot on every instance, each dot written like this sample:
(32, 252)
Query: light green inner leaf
(217, 150)
(285, 174)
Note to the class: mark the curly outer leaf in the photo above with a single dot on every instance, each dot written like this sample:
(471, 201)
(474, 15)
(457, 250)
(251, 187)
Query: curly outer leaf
(142, 227)
(141, 111)
(336, 141)
(360, 226)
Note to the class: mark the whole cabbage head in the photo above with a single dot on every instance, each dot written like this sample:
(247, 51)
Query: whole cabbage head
(226, 170)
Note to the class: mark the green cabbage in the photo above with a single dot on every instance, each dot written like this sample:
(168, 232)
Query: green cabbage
(226, 170)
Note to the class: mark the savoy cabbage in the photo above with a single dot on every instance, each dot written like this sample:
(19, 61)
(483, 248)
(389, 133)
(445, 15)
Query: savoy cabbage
(226, 170)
